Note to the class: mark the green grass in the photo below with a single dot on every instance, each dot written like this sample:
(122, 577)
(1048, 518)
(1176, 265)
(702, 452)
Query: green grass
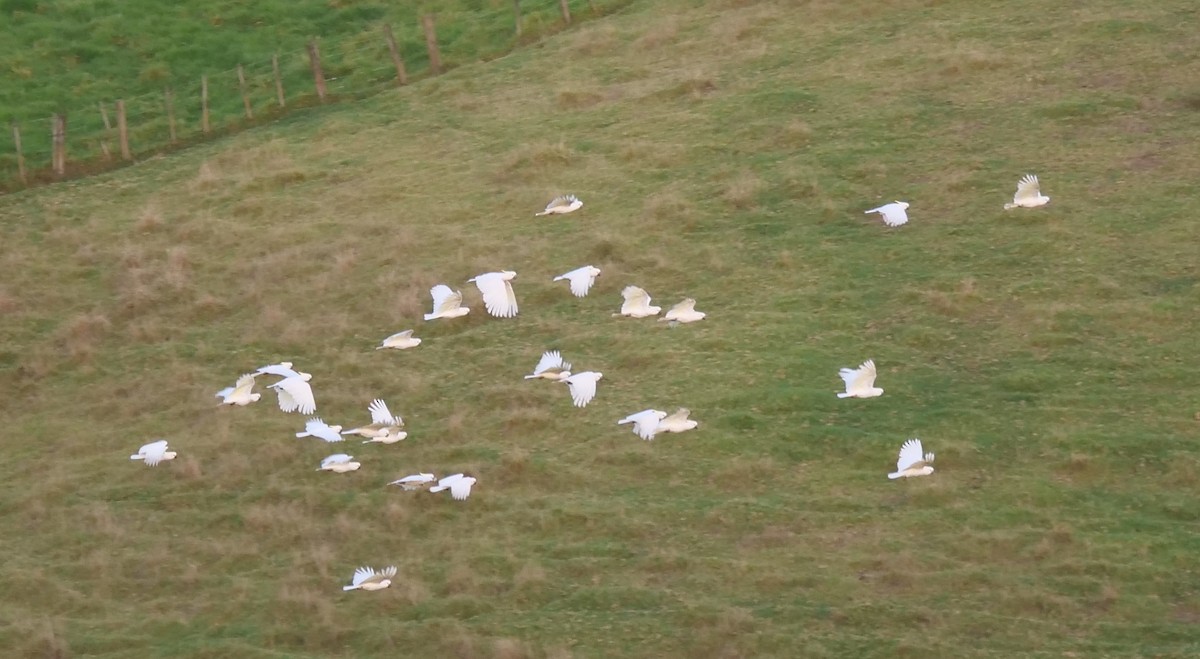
(725, 151)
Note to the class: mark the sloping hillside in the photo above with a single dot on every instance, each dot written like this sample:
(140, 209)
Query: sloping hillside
(724, 151)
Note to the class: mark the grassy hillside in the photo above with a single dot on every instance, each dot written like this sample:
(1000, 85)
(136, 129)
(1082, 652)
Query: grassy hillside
(725, 151)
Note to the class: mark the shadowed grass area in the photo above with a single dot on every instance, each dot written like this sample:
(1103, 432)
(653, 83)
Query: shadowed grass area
(724, 151)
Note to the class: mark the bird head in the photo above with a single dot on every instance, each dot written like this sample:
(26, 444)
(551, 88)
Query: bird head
(926, 470)
(903, 204)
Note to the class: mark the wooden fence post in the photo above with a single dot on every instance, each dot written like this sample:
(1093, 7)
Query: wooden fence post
(245, 94)
(123, 131)
(566, 11)
(107, 133)
(58, 141)
(169, 98)
(435, 57)
(517, 16)
(278, 80)
(204, 125)
(401, 74)
(314, 60)
(20, 155)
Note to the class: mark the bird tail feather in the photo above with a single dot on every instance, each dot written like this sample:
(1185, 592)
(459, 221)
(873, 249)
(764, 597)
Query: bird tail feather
(530, 377)
(1009, 207)
(137, 457)
(349, 587)
(894, 476)
(429, 316)
(843, 395)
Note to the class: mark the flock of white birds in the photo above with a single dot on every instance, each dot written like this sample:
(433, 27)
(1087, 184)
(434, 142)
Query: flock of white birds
(295, 394)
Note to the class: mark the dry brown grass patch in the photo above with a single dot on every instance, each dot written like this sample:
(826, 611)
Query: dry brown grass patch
(661, 33)
(669, 205)
(149, 219)
(81, 335)
(742, 190)
(529, 160)
(595, 40)
(575, 99)
(661, 155)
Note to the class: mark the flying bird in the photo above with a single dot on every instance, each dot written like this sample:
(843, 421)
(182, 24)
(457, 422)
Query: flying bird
(415, 481)
(684, 312)
(860, 382)
(366, 578)
(283, 370)
(400, 341)
(561, 206)
(339, 463)
(240, 393)
(645, 423)
(677, 422)
(385, 427)
(912, 462)
(1028, 195)
(458, 484)
(551, 367)
(894, 214)
(295, 394)
(581, 279)
(583, 386)
(447, 303)
(637, 303)
(318, 428)
(497, 291)
(154, 453)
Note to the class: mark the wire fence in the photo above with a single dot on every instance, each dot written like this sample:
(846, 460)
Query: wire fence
(109, 133)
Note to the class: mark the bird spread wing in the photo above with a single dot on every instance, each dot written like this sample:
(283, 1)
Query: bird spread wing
(910, 454)
(398, 336)
(687, 306)
(445, 298)
(153, 452)
(381, 414)
(243, 385)
(295, 395)
(336, 458)
(498, 295)
(318, 428)
(894, 215)
(583, 388)
(581, 279)
(415, 478)
(364, 574)
(560, 202)
(282, 369)
(551, 359)
(679, 416)
(1028, 188)
(635, 298)
(865, 378)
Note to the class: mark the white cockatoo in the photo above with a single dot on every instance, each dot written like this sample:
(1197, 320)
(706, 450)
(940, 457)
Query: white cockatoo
(894, 214)
(339, 463)
(447, 303)
(583, 386)
(295, 394)
(581, 279)
(366, 578)
(684, 312)
(240, 393)
(400, 341)
(283, 370)
(154, 453)
(458, 484)
(497, 291)
(860, 382)
(415, 481)
(315, 427)
(384, 427)
(645, 423)
(561, 205)
(1029, 194)
(637, 303)
(912, 462)
(677, 422)
(551, 367)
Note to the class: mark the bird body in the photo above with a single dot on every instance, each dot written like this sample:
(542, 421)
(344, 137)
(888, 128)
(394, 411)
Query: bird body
(645, 423)
(860, 382)
(561, 206)
(637, 303)
(447, 303)
(458, 484)
(389, 435)
(400, 341)
(912, 462)
(684, 312)
(315, 427)
(583, 386)
(1029, 194)
(295, 394)
(581, 279)
(497, 291)
(154, 453)
(383, 424)
(677, 422)
(240, 393)
(339, 463)
(283, 370)
(551, 367)
(894, 214)
(415, 481)
(366, 578)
